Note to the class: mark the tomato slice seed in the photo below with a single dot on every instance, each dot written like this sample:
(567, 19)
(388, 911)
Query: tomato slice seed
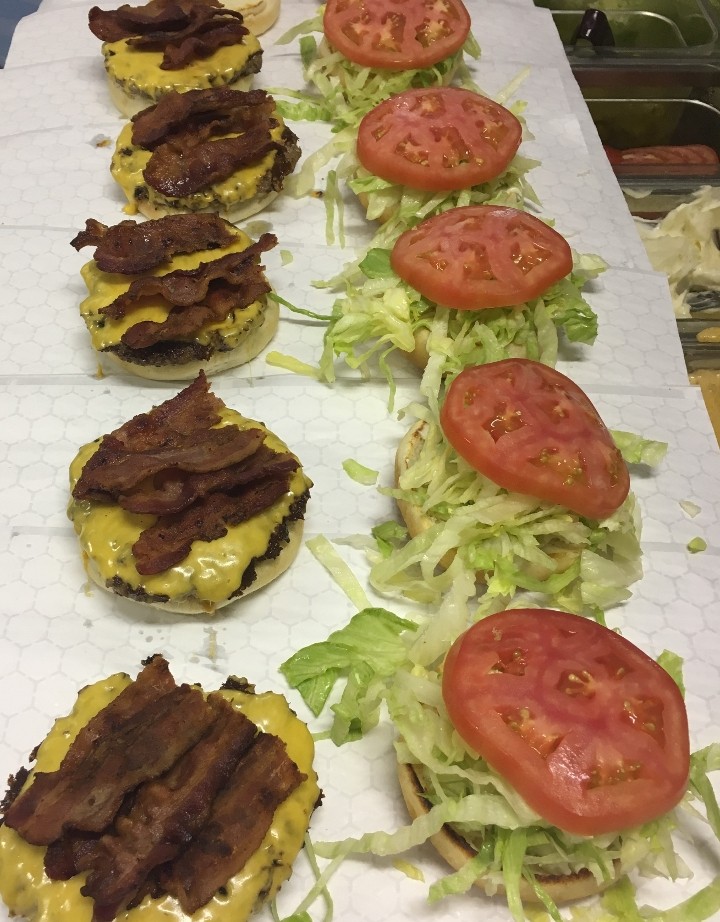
(576, 684)
(646, 714)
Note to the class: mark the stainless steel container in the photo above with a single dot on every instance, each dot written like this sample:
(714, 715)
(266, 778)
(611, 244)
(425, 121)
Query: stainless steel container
(674, 28)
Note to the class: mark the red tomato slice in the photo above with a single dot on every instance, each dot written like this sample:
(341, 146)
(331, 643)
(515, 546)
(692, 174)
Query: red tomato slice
(589, 730)
(694, 154)
(533, 431)
(481, 256)
(438, 139)
(396, 34)
(613, 154)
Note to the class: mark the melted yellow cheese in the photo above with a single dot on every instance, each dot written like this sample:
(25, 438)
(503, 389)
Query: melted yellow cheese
(129, 161)
(105, 287)
(138, 72)
(27, 891)
(212, 570)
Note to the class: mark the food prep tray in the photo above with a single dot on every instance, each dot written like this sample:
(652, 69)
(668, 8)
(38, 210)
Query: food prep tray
(636, 27)
(646, 122)
(57, 633)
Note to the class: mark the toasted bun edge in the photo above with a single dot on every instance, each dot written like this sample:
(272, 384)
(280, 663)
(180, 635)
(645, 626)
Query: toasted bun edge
(258, 15)
(234, 214)
(457, 852)
(415, 519)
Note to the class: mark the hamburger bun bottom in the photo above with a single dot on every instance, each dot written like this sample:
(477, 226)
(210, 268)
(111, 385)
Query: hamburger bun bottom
(251, 345)
(129, 105)
(234, 214)
(265, 572)
(418, 521)
(457, 852)
(415, 519)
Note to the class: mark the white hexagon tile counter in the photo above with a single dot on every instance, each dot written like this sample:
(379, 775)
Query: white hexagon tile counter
(58, 631)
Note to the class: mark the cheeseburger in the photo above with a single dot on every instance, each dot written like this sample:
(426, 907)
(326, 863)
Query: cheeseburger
(173, 295)
(188, 506)
(215, 150)
(173, 45)
(152, 798)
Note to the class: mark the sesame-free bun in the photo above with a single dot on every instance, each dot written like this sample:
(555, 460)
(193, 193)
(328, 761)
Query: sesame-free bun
(457, 851)
(235, 214)
(265, 572)
(259, 333)
(258, 15)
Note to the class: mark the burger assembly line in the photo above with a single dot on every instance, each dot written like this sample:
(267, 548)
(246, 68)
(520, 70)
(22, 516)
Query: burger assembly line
(470, 697)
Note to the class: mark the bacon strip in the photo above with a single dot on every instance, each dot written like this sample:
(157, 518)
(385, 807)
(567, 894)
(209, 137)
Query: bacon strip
(188, 136)
(166, 813)
(186, 287)
(113, 25)
(203, 36)
(200, 113)
(197, 478)
(240, 818)
(121, 470)
(168, 542)
(184, 30)
(174, 493)
(86, 793)
(132, 248)
(206, 294)
(193, 409)
(178, 170)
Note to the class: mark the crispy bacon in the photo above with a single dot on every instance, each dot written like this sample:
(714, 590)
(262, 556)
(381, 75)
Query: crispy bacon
(122, 470)
(86, 793)
(113, 25)
(185, 830)
(173, 493)
(188, 136)
(154, 680)
(198, 478)
(206, 294)
(219, 110)
(207, 31)
(131, 248)
(179, 169)
(67, 855)
(184, 30)
(193, 409)
(169, 540)
(240, 818)
(186, 287)
(166, 814)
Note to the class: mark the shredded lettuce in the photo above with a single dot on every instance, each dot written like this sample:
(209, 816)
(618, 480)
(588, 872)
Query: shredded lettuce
(365, 652)
(517, 542)
(512, 842)
(697, 545)
(359, 473)
(342, 92)
(637, 450)
(326, 554)
(383, 315)
(690, 508)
